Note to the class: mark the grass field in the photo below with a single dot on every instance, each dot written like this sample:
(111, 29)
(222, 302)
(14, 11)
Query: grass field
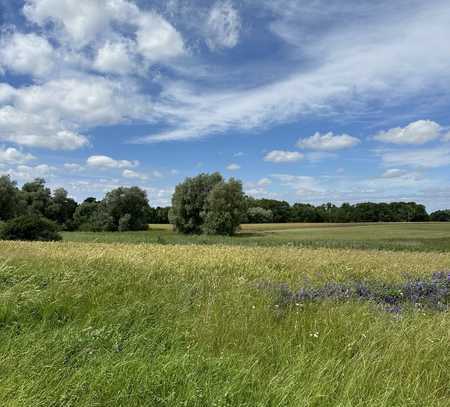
(385, 236)
(190, 324)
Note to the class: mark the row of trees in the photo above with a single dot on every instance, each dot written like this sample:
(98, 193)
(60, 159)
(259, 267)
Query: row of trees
(202, 204)
(270, 210)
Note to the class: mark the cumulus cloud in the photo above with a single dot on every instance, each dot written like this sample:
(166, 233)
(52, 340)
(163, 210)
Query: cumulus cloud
(223, 26)
(280, 156)
(105, 162)
(115, 57)
(27, 173)
(157, 39)
(14, 156)
(419, 132)
(328, 142)
(233, 167)
(26, 54)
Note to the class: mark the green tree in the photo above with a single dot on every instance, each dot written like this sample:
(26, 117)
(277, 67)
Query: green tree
(131, 203)
(259, 215)
(62, 209)
(189, 200)
(224, 209)
(10, 205)
(37, 197)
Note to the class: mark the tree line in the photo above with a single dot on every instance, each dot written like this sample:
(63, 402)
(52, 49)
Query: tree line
(206, 203)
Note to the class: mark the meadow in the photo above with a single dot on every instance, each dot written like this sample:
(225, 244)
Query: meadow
(119, 319)
(382, 236)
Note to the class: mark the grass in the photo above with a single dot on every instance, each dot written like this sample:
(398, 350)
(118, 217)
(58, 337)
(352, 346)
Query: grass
(385, 236)
(86, 324)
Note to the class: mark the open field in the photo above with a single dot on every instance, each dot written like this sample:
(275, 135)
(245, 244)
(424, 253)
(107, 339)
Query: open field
(387, 236)
(166, 325)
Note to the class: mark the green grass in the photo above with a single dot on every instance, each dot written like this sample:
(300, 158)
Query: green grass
(394, 236)
(164, 325)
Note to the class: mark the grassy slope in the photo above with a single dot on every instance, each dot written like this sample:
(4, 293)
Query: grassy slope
(411, 237)
(164, 325)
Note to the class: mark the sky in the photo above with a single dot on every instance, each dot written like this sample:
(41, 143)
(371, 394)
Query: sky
(309, 101)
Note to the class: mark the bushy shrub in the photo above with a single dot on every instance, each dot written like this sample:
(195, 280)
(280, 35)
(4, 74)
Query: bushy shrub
(29, 227)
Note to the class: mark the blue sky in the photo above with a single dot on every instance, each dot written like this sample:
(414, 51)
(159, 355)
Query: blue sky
(308, 101)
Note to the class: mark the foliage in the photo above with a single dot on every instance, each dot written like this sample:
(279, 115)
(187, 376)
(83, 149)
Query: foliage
(440, 216)
(37, 197)
(9, 198)
(62, 208)
(224, 208)
(189, 200)
(29, 227)
(259, 215)
(127, 208)
(83, 214)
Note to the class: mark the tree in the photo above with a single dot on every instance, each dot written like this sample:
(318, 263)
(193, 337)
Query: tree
(189, 200)
(259, 215)
(29, 227)
(224, 209)
(9, 198)
(280, 209)
(62, 209)
(440, 216)
(37, 197)
(131, 203)
(83, 215)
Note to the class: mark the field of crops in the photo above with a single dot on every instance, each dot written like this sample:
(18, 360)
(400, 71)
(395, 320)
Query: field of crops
(85, 324)
(386, 236)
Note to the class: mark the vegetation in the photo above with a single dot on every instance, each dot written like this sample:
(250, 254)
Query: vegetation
(85, 325)
(417, 237)
(440, 216)
(206, 203)
(29, 227)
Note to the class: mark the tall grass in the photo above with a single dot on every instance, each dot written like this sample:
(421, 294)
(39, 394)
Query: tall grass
(164, 325)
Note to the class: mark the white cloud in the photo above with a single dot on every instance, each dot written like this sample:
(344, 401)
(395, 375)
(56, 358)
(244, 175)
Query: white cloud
(446, 137)
(133, 175)
(105, 162)
(79, 23)
(301, 184)
(37, 130)
(13, 156)
(419, 132)
(31, 117)
(26, 54)
(339, 73)
(80, 20)
(328, 142)
(73, 167)
(157, 39)
(279, 156)
(233, 167)
(425, 158)
(223, 26)
(27, 173)
(393, 173)
(264, 182)
(115, 57)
